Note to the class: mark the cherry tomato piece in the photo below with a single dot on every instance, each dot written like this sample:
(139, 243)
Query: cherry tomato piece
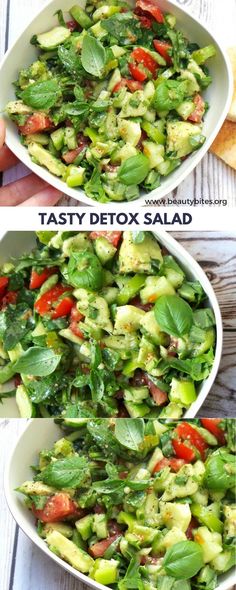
(182, 451)
(196, 116)
(38, 278)
(63, 308)
(3, 285)
(57, 508)
(137, 73)
(212, 424)
(36, 123)
(98, 549)
(163, 48)
(186, 432)
(173, 463)
(44, 304)
(151, 7)
(112, 236)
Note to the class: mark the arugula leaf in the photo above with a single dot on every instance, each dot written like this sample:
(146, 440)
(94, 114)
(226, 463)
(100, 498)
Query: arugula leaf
(93, 56)
(130, 432)
(71, 472)
(39, 501)
(173, 315)
(42, 95)
(37, 361)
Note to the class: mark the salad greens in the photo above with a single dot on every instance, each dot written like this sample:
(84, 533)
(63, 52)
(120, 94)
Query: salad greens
(114, 101)
(114, 503)
(102, 324)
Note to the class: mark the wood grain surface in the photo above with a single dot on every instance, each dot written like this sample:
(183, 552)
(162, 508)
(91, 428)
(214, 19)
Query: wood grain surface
(22, 565)
(211, 178)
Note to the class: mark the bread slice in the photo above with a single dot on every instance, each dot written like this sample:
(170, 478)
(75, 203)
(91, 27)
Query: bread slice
(232, 112)
(224, 145)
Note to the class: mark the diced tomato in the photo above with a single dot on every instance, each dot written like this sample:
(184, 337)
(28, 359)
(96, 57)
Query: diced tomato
(172, 462)
(137, 73)
(98, 549)
(9, 299)
(3, 285)
(57, 508)
(160, 397)
(70, 157)
(36, 123)
(182, 451)
(196, 116)
(38, 278)
(17, 380)
(112, 236)
(186, 432)
(151, 7)
(145, 21)
(132, 85)
(143, 57)
(44, 304)
(75, 318)
(212, 424)
(163, 48)
(72, 25)
(63, 308)
(192, 525)
(136, 301)
(114, 528)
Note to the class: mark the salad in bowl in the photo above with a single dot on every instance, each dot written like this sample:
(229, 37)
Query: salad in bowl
(138, 504)
(114, 102)
(96, 324)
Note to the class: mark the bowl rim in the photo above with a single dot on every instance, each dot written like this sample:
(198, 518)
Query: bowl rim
(193, 268)
(193, 159)
(30, 530)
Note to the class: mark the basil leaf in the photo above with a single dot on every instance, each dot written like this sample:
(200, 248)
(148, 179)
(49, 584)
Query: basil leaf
(134, 170)
(93, 56)
(77, 108)
(183, 560)
(37, 361)
(169, 95)
(173, 315)
(41, 95)
(65, 473)
(85, 271)
(216, 476)
(130, 432)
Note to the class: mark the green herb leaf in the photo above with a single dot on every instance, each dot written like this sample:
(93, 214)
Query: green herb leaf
(84, 271)
(71, 61)
(93, 56)
(130, 432)
(183, 560)
(37, 361)
(173, 315)
(134, 170)
(66, 473)
(41, 95)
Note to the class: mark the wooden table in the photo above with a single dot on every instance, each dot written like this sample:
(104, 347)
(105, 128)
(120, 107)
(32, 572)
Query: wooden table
(212, 178)
(22, 565)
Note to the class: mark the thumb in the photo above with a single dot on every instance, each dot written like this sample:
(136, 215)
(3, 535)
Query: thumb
(2, 133)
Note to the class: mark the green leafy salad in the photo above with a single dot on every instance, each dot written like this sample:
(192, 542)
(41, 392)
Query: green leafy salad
(102, 324)
(114, 101)
(140, 504)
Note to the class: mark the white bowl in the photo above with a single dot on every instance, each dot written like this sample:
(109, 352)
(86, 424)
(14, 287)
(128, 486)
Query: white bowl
(218, 95)
(41, 434)
(16, 243)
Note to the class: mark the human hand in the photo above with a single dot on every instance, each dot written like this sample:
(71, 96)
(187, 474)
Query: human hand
(30, 191)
